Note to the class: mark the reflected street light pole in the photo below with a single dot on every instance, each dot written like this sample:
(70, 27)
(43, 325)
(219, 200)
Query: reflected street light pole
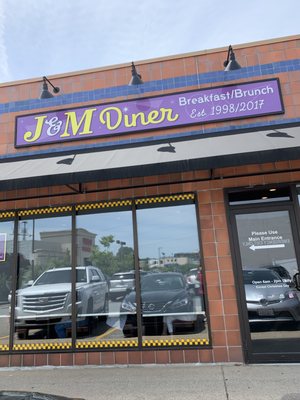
(33, 249)
(121, 247)
(24, 230)
(159, 255)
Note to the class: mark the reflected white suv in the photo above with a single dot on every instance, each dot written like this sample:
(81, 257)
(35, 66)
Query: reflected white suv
(48, 300)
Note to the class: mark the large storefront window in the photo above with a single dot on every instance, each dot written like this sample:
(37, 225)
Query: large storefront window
(43, 296)
(104, 275)
(172, 289)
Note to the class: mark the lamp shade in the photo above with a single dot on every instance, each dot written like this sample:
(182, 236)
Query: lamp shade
(45, 94)
(136, 78)
(231, 64)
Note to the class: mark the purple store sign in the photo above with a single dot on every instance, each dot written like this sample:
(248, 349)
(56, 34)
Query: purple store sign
(194, 107)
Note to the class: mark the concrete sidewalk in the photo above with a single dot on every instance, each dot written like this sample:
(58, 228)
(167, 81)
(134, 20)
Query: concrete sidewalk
(218, 382)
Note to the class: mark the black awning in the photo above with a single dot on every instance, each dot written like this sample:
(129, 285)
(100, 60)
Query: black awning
(207, 152)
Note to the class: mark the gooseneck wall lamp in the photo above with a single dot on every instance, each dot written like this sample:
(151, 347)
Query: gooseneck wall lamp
(45, 92)
(231, 64)
(136, 78)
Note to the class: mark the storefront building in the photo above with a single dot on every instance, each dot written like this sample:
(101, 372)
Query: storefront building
(157, 222)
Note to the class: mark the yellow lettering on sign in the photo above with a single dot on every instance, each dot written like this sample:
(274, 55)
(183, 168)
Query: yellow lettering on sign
(32, 137)
(105, 117)
(71, 122)
(109, 114)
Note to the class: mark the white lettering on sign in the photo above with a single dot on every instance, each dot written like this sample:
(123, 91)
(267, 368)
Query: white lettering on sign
(233, 94)
(269, 239)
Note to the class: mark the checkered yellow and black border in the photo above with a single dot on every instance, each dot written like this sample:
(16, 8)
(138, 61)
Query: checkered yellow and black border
(146, 343)
(90, 344)
(44, 211)
(106, 344)
(7, 214)
(42, 346)
(165, 199)
(175, 342)
(103, 204)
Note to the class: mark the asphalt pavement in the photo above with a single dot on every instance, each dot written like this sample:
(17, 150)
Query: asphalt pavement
(147, 382)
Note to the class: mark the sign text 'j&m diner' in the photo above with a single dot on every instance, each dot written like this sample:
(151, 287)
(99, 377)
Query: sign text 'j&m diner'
(187, 108)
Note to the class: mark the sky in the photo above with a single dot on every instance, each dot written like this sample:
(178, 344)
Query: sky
(48, 37)
(157, 229)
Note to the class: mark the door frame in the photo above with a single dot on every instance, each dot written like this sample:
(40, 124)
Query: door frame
(232, 210)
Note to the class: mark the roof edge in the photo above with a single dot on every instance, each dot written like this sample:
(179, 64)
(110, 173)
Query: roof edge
(154, 60)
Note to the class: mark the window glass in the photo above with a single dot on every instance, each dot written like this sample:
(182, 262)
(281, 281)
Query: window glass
(172, 290)
(43, 298)
(6, 265)
(105, 249)
(165, 291)
(269, 264)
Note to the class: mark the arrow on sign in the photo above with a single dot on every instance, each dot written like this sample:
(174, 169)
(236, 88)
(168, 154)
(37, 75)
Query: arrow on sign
(267, 246)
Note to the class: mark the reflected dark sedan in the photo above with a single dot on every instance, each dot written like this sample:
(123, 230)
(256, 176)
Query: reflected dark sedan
(165, 297)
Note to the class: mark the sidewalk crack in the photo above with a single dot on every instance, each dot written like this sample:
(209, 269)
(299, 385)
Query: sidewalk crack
(225, 383)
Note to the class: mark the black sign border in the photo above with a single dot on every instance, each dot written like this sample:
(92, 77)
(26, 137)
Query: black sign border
(75, 139)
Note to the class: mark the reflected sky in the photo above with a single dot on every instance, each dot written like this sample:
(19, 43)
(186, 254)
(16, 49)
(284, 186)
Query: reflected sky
(161, 230)
(118, 224)
(167, 230)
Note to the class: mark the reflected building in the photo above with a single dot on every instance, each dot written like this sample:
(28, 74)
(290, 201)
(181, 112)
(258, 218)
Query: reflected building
(55, 245)
(179, 259)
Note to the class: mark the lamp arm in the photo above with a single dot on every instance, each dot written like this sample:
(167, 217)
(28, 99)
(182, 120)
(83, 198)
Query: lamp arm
(55, 88)
(133, 69)
(228, 55)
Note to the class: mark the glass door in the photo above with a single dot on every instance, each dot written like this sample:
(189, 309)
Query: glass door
(270, 302)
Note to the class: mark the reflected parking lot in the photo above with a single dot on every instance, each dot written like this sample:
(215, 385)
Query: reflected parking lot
(108, 327)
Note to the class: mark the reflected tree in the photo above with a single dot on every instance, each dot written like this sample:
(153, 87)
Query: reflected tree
(107, 261)
(125, 259)
(106, 241)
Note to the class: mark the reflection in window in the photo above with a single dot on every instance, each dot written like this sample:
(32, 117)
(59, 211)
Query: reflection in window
(172, 295)
(43, 297)
(6, 265)
(268, 262)
(105, 244)
(108, 294)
